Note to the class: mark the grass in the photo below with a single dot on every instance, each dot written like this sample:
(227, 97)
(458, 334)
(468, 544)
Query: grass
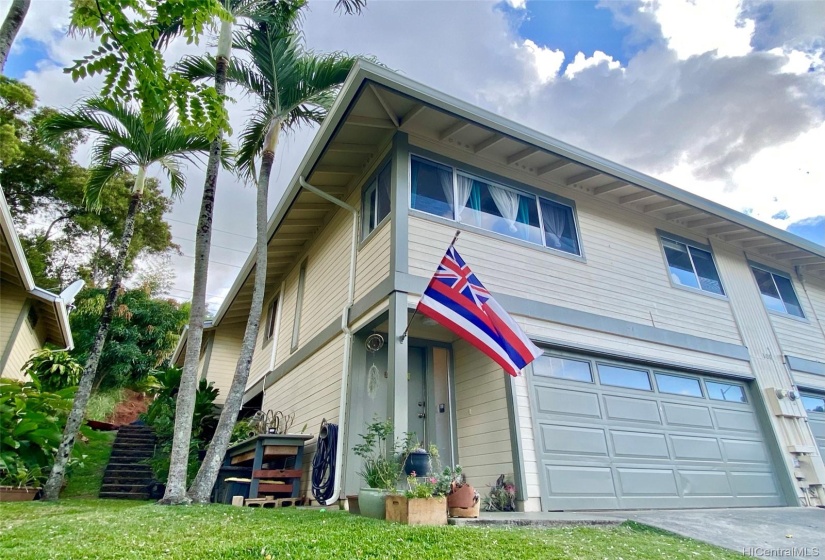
(103, 529)
(85, 481)
(103, 403)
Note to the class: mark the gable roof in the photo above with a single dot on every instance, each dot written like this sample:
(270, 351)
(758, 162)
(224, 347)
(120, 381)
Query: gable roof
(14, 269)
(375, 103)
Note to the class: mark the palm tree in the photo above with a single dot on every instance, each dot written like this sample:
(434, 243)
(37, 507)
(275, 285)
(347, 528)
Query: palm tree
(256, 10)
(11, 25)
(124, 142)
(293, 87)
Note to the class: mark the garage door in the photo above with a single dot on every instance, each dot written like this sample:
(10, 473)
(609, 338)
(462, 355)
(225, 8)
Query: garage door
(815, 405)
(614, 436)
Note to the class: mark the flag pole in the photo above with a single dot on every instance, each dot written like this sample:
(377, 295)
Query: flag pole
(404, 336)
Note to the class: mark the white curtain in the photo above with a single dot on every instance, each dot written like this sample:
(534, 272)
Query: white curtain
(446, 180)
(555, 220)
(507, 203)
(464, 186)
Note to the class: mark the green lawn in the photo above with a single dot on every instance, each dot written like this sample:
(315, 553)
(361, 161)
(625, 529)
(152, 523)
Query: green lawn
(97, 529)
(84, 481)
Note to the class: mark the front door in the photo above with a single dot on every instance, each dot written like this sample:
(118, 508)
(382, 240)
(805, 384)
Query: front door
(417, 394)
(430, 411)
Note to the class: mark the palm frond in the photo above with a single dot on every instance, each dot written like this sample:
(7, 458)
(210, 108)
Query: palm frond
(196, 68)
(251, 142)
(350, 6)
(177, 179)
(99, 177)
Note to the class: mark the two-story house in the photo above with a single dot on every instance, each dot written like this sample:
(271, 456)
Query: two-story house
(684, 360)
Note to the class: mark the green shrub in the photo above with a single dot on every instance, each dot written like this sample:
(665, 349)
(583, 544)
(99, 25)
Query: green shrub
(31, 427)
(54, 369)
(102, 404)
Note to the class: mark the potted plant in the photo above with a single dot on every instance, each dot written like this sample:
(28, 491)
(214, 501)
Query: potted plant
(462, 498)
(381, 467)
(18, 483)
(416, 458)
(502, 496)
(423, 503)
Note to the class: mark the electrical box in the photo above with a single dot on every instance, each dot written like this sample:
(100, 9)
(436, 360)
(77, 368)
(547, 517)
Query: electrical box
(783, 402)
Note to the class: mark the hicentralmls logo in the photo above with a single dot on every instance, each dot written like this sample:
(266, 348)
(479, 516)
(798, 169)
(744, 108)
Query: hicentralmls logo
(794, 552)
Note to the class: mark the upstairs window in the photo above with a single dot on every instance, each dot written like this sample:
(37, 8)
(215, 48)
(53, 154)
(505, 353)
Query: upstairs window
(271, 315)
(456, 195)
(777, 292)
(376, 202)
(692, 267)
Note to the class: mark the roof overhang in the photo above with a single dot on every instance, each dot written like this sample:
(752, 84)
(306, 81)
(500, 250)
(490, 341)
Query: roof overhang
(375, 103)
(14, 268)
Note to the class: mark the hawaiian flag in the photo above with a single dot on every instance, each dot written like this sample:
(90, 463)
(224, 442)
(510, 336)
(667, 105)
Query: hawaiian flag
(456, 299)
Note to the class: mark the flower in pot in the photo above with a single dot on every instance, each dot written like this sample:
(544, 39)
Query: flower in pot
(462, 498)
(381, 467)
(416, 458)
(423, 503)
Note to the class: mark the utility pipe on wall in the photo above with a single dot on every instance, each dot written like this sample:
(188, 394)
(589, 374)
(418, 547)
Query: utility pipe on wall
(342, 406)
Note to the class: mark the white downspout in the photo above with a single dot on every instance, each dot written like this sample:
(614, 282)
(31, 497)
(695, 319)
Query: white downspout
(342, 406)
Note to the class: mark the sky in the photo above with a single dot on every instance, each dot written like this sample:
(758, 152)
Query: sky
(725, 99)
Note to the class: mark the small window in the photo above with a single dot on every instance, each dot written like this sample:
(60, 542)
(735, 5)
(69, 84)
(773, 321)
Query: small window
(559, 227)
(678, 385)
(692, 267)
(777, 292)
(725, 392)
(376, 203)
(624, 377)
(431, 188)
(299, 300)
(497, 209)
(271, 315)
(813, 404)
(563, 368)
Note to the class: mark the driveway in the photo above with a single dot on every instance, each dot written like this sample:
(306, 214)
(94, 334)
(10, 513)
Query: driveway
(786, 532)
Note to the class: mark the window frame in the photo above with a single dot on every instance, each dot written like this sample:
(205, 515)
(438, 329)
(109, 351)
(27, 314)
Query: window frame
(591, 381)
(651, 385)
(774, 272)
(742, 386)
(489, 178)
(371, 184)
(688, 243)
(273, 309)
(299, 303)
(698, 380)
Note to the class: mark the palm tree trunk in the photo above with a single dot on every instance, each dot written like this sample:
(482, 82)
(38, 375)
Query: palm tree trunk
(202, 486)
(51, 490)
(185, 410)
(11, 25)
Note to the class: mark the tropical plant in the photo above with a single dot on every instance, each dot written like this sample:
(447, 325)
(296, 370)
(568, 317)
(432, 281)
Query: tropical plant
(502, 496)
(293, 86)
(124, 140)
(381, 465)
(11, 25)
(31, 423)
(54, 369)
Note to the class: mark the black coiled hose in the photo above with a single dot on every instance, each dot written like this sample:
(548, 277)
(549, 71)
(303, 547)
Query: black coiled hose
(323, 464)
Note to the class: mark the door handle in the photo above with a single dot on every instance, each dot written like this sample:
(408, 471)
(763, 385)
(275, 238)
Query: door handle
(422, 415)
(422, 403)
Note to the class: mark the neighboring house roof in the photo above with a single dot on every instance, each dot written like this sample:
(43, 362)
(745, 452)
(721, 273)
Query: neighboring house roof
(375, 103)
(14, 268)
(180, 349)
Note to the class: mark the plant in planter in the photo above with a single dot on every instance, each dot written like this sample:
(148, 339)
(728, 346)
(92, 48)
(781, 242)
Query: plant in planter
(462, 498)
(502, 496)
(20, 484)
(381, 467)
(416, 458)
(423, 503)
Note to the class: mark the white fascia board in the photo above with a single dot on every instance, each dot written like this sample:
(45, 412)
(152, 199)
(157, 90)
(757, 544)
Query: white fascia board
(13, 241)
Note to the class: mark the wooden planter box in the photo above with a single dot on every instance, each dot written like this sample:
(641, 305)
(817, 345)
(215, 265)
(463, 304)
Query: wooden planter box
(17, 494)
(417, 511)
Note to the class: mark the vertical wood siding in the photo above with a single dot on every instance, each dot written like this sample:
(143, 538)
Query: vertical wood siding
(484, 447)
(312, 391)
(528, 445)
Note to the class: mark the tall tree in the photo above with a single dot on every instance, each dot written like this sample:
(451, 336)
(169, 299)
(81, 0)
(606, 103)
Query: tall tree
(256, 10)
(293, 87)
(124, 141)
(11, 25)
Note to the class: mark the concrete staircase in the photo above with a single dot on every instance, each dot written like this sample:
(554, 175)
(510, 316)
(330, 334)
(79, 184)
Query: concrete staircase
(127, 476)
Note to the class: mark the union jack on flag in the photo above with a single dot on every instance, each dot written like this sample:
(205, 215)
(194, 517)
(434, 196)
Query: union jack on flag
(456, 299)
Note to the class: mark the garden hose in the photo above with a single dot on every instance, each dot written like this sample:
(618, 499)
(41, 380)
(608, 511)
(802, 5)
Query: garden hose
(323, 464)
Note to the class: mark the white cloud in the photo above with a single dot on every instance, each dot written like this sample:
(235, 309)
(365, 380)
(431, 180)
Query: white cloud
(517, 4)
(582, 62)
(547, 61)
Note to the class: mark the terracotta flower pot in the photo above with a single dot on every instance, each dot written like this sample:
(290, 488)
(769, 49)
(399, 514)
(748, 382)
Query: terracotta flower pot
(17, 493)
(462, 497)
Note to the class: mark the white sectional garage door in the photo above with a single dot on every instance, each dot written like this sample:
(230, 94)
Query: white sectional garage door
(815, 406)
(613, 436)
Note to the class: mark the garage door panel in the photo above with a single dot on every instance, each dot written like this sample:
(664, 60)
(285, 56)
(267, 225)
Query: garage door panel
(736, 420)
(692, 416)
(639, 444)
(573, 440)
(568, 403)
(691, 448)
(742, 451)
(575, 480)
(633, 410)
(646, 482)
(754, 484)
(704, 483)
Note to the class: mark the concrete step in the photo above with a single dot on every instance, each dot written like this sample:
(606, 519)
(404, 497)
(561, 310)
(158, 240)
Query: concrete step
(127, 488)
(125, 495)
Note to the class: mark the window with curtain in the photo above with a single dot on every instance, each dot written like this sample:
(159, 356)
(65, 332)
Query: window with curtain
(692, 267)
(777, 292)
(450, 193)
(376, 201)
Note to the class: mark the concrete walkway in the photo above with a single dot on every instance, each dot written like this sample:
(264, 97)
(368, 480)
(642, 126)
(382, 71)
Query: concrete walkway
(785, 532)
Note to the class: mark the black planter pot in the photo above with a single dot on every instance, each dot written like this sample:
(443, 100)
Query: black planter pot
(418, 462)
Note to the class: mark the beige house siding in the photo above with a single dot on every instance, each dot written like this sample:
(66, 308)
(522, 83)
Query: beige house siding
(12, 299)
(373, 263)
(809, 380)
(27, 342)
(311, 391)
(223, 357)
(803, 337)
(483, 429)
(527, 435)
(625, 275)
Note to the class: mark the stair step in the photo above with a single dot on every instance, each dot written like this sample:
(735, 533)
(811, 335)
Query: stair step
(135, 446)
(130, 488)
(125, 495)
(135, 439)
(129, 452)
(127, 477)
